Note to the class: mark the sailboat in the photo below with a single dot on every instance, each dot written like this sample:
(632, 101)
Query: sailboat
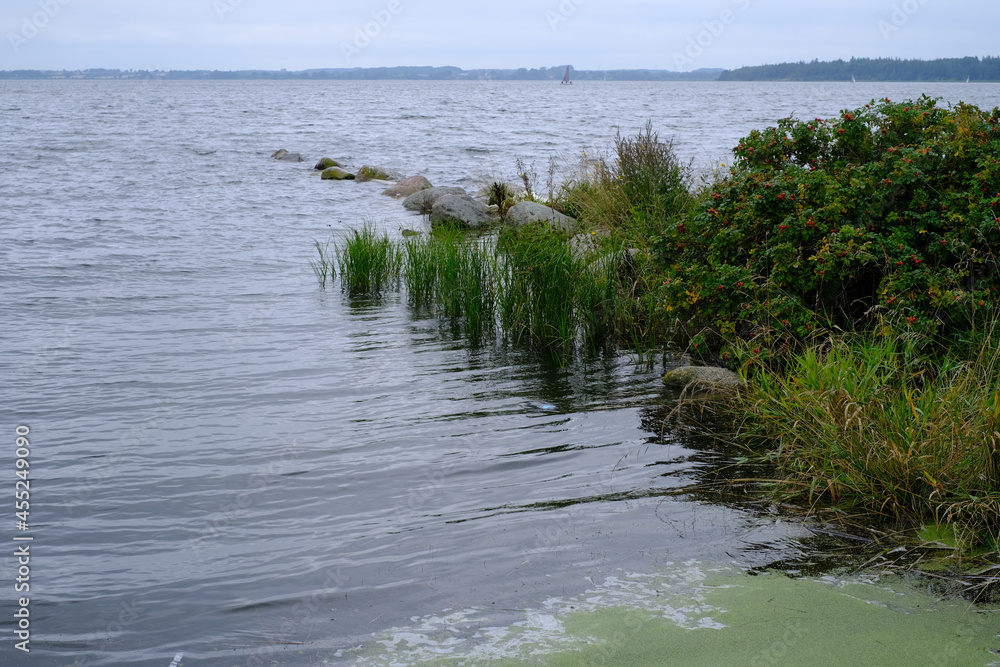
(852, 79)
(566, 80)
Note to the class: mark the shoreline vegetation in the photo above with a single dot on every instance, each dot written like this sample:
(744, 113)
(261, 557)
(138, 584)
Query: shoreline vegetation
(862, 70)
(847, 268)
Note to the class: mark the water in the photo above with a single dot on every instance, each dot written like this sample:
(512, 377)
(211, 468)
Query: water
(231, 464)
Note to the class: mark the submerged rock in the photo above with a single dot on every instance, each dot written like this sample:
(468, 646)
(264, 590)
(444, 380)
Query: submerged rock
(526, 212)
(326, 163)
(423, 200)
(704, 378)
(337, 174)
(407, 187)
(461, 209)
(285, 156)
(370, 173)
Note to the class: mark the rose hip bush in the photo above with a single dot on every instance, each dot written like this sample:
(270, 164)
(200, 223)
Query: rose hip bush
(887, 215)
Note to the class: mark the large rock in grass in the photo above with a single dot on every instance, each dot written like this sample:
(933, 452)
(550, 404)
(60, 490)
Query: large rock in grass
(423, 200)
(370, 173)
(326, 163)
(527, 212)
(285, 156)
(462, 210)
(704, 378)
(407, 187)
(337, 174)
(588, 244)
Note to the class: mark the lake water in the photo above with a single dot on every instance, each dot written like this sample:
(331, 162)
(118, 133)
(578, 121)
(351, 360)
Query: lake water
(232, 465)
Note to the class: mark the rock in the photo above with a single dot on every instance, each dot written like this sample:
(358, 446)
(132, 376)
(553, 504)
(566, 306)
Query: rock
(525, 212)
(462, 209)
(423, 200)
(407, 187)
(587, 244)
(337, 174)
(370, 173)
(285, 156)
(326, 163)
(704, 378)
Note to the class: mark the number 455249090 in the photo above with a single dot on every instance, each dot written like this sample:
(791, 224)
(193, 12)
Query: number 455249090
(22, 488)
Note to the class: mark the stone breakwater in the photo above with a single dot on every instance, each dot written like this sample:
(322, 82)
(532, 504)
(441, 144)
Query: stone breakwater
(444, 205)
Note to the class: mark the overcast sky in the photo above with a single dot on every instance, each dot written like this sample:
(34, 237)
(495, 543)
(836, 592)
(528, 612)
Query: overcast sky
(589, 34)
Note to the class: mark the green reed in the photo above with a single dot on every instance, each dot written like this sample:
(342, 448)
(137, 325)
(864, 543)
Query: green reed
(420, 270)
(324, 266)
(369, 262)
(524, 286)
(549, 297)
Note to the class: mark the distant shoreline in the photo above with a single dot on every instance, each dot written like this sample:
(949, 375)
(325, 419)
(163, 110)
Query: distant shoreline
(859, 70)
(370, 74)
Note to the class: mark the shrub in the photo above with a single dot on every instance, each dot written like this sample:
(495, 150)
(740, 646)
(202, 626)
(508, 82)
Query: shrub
(646, 186)
(886, 214)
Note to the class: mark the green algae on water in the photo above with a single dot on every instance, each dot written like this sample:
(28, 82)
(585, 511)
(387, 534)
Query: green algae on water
(695, 616)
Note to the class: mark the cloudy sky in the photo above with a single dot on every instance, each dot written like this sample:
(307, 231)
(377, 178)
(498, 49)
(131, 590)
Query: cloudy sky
(589, 34)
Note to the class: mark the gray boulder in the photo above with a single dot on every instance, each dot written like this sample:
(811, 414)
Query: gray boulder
(370, 173)
(588, 244)
(337, 174)
(285, 156)
(461, 209)
(704, 378)
(526, 212)
(423, 200)
(326, 163)
(407, 187)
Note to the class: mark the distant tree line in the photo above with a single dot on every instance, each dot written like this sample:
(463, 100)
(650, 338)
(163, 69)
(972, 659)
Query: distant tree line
(873, 69)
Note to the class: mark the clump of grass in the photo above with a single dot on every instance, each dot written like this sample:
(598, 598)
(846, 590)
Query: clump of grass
(864, 423)
(549, 297)
(639, 317)
(499, 195)
(369, 262)
(420, 270)
(643, 187)
(475, 289)
(455, 273)
(525, 286)
(324, 266)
